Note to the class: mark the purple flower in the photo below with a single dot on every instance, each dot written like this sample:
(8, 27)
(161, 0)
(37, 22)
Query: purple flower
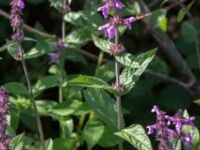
(128, 22)
(179, 121)
(20, 4)
(60, 45)
(109, 30)
(4, 138)
(105, 10)
(151, 129)
(15, 19)
(164, 133)
(118, 4)
(54, 56)
(111, 4)
(187, 139)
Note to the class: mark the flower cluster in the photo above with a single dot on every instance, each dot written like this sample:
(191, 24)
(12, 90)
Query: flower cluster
(15, 19)
(165, 134)
(113, 23)
(4, 137)
(111, 27)
(58, 47)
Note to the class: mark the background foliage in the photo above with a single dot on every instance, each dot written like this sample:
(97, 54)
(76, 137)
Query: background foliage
(81, 23)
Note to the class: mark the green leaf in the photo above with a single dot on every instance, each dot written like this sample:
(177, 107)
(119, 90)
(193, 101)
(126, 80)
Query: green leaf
(66, 108)
(82, 109)
(5, 46)
(108, 139)
(102, 44)
(44, 106)
(64, 144)
(17, 142)
(84, 18)
(45, 83)
(106, 72)
(42, 47)
(16, 88)
(79, 36)
(56, 3)
(182, 12)
(197, 101)
(157, 17)
(134, 9)
(129, 76)
(74, 18)
(136, 136)
(13, 50)
(128, 60)
(75, 56)
(178, 145)
(163, 24)
(104, 106)
(48, 145)
(88, 81)
(93, 126)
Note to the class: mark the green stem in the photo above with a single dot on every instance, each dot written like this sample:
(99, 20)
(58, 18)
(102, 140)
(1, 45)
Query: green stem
(62, 62)
(39, 124)
(99, 62)
(118, 98)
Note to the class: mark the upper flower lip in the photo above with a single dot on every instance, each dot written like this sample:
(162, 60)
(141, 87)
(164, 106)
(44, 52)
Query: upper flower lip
(21, 4)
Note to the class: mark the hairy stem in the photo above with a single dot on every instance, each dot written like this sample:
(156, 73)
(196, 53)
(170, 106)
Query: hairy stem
(39, 124)
(62, 62)
(99, 62)
(118, 98)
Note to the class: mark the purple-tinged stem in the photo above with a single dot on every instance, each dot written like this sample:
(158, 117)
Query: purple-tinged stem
(38, 120)
(118, 98)
(62, 128)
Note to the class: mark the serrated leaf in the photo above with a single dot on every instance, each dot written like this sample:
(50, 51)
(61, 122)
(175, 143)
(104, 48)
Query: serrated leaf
(66, 108)
(45, 83)
(106, 72)
(17, 142)
(79, 36)
(129, 76)
(104, 106)
(16, 88)
(128, 60)
(102, 44)
(42, 47)
(93, 126)
(88, 81)
(44, 106)
(136, 136)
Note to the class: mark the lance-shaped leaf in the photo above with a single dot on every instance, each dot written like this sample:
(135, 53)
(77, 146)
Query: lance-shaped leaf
(130, 75)
(88, 81)
(17, 142)
(93, 126)
(136, 136)
(104, 106)
(102, 44)
(45, 83)
(16, 88)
